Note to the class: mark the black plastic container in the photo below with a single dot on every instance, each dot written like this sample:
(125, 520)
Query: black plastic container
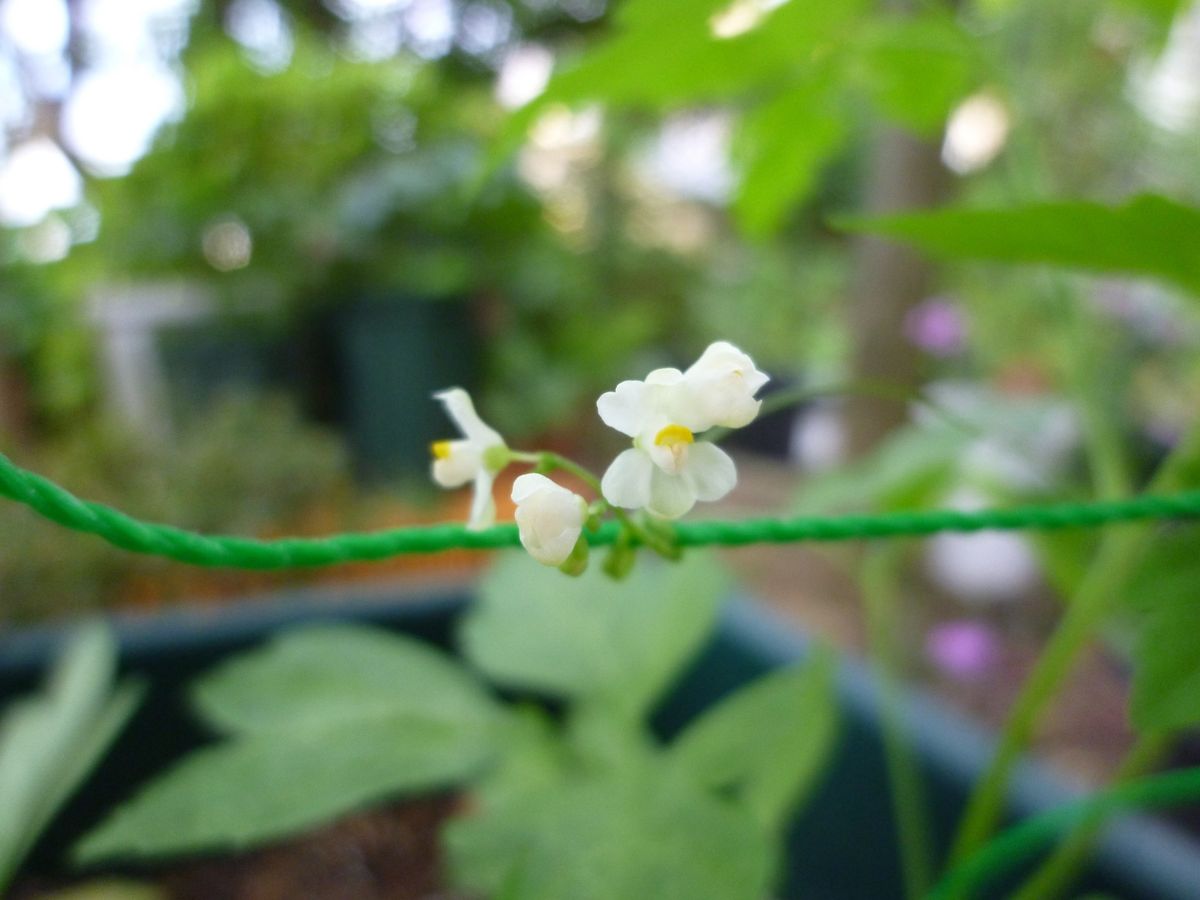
(841, 846)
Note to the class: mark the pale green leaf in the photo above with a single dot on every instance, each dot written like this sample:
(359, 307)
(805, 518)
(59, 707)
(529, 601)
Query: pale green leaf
(644, 832)
(327, 719)
(769, 742)
(592, 637)
(1148, 236)
(331, 673)
(51, 741)
(246, 791)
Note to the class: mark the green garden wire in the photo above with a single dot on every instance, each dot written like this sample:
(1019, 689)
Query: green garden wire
(59, 505)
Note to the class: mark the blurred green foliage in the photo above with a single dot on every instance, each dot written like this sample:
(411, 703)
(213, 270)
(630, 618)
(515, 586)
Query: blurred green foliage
(246, 465)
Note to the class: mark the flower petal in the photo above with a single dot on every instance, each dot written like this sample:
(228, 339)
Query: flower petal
(670, 495)
(624, 409)
(525, 486)
(460, 408)
(722, 384)
(459, 466)
(627, 481)
(483, 505)
(550, 519)
(710, 471)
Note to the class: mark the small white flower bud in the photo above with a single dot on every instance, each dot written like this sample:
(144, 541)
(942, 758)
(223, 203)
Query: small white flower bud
(550, 518)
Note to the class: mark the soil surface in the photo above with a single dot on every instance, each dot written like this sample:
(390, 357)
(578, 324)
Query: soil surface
(391, 853)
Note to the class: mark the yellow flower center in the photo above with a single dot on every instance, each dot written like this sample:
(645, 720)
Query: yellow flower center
(440, 449)
(674, 435)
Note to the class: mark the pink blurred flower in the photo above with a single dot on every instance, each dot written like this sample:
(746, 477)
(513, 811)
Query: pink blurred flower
(963, 649)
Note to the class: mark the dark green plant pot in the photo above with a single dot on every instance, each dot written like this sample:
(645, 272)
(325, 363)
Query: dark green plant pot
(841, 846)
(393, 354)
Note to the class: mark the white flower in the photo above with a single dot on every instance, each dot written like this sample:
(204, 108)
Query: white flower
(478, 456)
(550, 518)
(667, 471)
(723, 382)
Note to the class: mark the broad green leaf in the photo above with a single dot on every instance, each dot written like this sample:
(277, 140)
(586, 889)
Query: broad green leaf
(326, 674)
(592, 637)
(780, 148)
(51, 741)
(1148, 236)
(1166, 666)
(243, 792)
(917, 69)
(645, 832)
(769, 742)
(326, 720)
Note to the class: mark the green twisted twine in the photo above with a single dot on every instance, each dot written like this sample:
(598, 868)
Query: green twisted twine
(59, 505)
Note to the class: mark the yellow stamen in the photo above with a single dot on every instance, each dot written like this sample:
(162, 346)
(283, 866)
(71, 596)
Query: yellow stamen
(674, 434)
(440, 449)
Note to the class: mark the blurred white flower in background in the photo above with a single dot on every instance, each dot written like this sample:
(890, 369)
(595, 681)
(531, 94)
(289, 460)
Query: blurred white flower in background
(476, 457)
(985, 568)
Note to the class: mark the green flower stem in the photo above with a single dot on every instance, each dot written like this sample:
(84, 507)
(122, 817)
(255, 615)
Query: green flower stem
(1115, 562)
(1018, 843)
(546, 461)
(1058, 872)
(879, 572)
(862, 388)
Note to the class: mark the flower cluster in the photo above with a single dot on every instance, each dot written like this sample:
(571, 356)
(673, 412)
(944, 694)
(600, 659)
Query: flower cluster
(664, 472)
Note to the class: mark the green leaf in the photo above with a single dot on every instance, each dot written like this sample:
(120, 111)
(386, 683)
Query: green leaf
(51, 741)
(326, 720)
(664, 52)
(769, 742)
(1148, 236)
(780, 147)
(916, 69)
(590, 637)
(267, 786)
(644, 832)
(327, 674)
(1166, 676)
(1163, 10)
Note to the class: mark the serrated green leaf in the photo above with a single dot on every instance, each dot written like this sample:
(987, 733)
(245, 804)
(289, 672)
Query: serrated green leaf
(590, 637)
(326, 674)
(51, 741)
(1148, 236)
(916, 69)
(326, 719)
(644, 832)
(768, 742)
(780, 147)
(243, 792)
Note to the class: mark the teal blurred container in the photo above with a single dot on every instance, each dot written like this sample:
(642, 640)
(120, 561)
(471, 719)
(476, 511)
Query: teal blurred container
(392, 355)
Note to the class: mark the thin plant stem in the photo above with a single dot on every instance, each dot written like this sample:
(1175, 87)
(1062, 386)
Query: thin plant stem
(1063, 866)
(879, 571)
(864, 388)
(1115, 562)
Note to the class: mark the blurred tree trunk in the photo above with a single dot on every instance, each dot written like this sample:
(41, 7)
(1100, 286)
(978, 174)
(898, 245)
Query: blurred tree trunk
(906, 172)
